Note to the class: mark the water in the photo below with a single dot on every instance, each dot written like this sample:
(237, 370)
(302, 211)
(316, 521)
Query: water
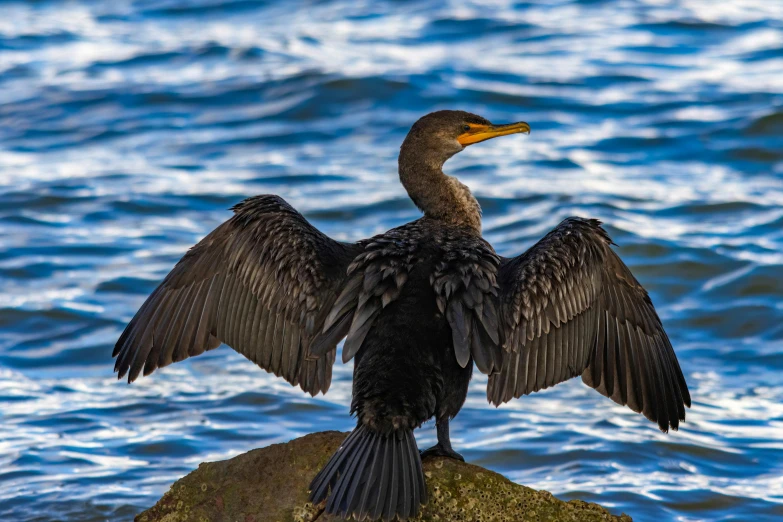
(128, 128)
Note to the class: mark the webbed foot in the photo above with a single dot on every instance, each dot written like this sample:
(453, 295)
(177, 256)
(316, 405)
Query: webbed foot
(440, 451)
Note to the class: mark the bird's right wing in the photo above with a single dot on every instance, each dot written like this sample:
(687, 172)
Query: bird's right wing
(262, 282)
(571, 307)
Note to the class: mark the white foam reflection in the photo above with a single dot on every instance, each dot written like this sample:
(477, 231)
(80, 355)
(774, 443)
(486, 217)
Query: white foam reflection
(127, 133)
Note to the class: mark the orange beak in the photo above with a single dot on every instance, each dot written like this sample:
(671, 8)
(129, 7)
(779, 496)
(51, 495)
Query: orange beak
(479, 133)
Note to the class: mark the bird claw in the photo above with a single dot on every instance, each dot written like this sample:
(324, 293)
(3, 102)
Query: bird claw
(439, 451)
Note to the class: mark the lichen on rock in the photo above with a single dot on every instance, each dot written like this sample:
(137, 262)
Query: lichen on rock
(270, 484)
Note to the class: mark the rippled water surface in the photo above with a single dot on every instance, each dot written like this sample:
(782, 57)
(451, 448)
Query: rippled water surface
(128, 128)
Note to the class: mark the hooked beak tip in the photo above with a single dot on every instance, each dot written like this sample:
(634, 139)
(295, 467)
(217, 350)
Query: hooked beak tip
(486, 132)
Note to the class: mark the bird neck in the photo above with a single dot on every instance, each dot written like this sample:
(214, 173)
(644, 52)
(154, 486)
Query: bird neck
(439, 196)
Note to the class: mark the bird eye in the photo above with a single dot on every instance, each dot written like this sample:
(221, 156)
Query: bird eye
(466, 128)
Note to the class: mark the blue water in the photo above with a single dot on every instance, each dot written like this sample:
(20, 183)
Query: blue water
(127, 128)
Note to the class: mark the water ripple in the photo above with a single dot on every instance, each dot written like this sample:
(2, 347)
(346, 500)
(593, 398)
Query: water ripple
(128, 128)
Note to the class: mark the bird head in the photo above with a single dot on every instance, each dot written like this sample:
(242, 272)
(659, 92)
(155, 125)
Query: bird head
(439, 135)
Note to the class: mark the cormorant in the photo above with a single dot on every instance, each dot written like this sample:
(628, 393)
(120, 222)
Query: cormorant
(419, 304)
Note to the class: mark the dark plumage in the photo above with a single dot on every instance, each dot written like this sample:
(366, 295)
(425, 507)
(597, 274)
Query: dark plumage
(418, 305)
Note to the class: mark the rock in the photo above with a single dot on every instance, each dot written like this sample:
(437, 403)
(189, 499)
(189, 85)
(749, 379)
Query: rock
(270, 484)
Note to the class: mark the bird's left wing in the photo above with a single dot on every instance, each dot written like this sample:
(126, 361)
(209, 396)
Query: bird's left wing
(569, 307)
(262, 282)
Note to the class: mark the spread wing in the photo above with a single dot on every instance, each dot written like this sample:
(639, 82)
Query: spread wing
(571, 307)
(262, 282)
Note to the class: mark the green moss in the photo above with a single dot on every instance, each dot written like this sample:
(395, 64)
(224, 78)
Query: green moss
(270, 484)
(463, 492)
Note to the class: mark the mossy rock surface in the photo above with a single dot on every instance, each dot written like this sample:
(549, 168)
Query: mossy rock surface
(270, 484)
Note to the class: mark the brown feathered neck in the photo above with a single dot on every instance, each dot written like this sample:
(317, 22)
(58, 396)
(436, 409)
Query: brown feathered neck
(439, 196)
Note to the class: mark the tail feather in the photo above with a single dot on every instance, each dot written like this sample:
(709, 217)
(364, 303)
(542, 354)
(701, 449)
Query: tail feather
(414, 460)
(363, 505)
(372, 475)
(394, 486)
(383, 476)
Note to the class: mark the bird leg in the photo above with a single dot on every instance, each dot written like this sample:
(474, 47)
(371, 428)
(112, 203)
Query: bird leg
(443, 447)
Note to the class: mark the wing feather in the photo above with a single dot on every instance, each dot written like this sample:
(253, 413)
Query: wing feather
(569, 306)
(263, 282)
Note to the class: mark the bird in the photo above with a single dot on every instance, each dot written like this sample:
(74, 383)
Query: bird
(418, 306)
